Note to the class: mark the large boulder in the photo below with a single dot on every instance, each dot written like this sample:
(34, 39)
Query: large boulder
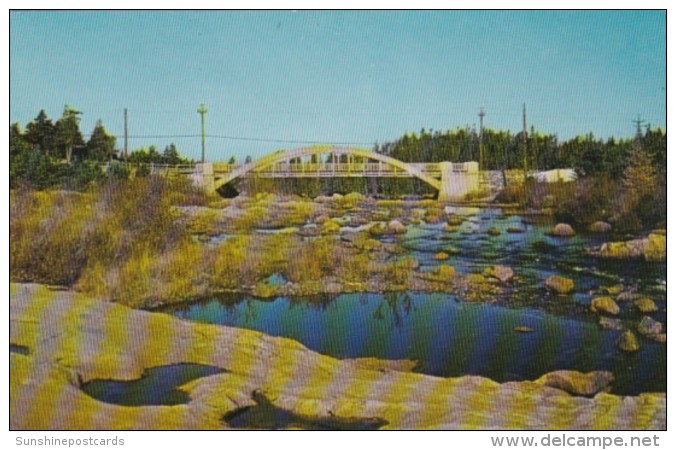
(502, 273)
(600, 227)
(628, 342)
(604, 305)
(560, 285)
(649, 326)
(578, 383)
(645, 305)
(562, 229)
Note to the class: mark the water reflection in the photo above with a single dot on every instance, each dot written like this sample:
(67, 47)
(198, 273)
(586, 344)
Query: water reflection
(448, 337)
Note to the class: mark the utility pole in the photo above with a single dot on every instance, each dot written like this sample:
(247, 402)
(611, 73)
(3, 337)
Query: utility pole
(639, 131)
(202, 110)
(523, 143)
(126, 137)
(481, 138)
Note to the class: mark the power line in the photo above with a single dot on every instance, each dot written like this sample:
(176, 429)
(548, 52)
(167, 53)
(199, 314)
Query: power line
(237, 138)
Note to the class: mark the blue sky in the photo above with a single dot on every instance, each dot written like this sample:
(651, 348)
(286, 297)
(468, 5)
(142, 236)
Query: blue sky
(357, 77)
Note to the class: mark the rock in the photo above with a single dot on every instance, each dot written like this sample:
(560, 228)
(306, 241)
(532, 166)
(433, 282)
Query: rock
(614, 290)
(645, 305)
(559, 284)
(501, 273)
(441, 256)
(445, 271)
(600, 227)
(627, 296)
(351, 197)
(396, 227)
(651, 248)
(393, 249)
(662, 337)
(610, 324)
(494, 231)
(628, 342)
(656, 248)
(378, 229)
(605, 305)
(649, 326)
(562, 229)
(515, 230)
(450, 228)
(357, 221)
(455, 220)
(523, 329)
(331, 226)
(409, 262)
(462, 210)
(310, 230)
(476, 279)
(256, 363)
(578, 383)
(322, 219)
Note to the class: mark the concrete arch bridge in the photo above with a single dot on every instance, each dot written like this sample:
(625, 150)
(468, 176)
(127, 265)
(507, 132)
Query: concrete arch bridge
(453, 180)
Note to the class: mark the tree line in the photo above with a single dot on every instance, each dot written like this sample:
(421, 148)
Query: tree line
(51, 153)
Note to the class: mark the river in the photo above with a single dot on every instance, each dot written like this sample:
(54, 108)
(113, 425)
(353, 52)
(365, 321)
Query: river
(449, 336)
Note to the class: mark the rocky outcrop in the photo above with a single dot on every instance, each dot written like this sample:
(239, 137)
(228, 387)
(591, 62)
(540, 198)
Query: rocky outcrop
(651, 248)
(578, 383)
(75, 339)
(560, 285)
(604, 305)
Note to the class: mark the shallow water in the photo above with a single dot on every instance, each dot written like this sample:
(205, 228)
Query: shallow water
(448, 337)
(157, 386)
(451, 337)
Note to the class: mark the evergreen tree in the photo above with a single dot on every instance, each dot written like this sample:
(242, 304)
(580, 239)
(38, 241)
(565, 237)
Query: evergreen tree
(171, 155)
(101, 145)
(41, 132)
(67, 133)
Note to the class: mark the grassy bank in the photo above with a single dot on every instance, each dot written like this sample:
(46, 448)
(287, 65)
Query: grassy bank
(141, 242)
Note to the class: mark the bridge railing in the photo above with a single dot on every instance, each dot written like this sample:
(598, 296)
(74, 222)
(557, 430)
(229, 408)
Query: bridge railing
(327, 167)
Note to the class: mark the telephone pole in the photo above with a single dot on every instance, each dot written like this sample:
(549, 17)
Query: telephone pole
(523, 143)
(126, 137)
(481, 138)
(639, 131)
(202, 110)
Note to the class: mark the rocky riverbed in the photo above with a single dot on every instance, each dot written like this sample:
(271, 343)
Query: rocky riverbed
(63, 340)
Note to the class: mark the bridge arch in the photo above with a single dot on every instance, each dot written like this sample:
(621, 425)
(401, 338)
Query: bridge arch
(281, 156)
